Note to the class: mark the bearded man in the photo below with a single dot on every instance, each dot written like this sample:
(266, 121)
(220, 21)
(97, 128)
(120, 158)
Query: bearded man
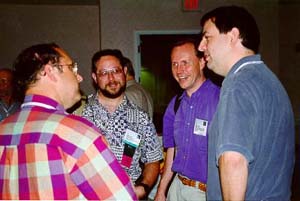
(128, 129)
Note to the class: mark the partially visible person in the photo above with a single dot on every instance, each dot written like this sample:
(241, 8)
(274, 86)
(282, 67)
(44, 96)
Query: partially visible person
(8, 101)
(128, 129)
(46, 153)
(135, 92)
(252, 137)
(185, 126)
(152, 193)
(77, 108)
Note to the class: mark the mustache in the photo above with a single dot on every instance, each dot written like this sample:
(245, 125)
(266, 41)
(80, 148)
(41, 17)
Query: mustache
(113, 83)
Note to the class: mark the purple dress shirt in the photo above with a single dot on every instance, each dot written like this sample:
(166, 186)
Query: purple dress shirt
(187, 130)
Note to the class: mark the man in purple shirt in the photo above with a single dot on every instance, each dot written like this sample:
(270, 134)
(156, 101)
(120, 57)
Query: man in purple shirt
(185, 130)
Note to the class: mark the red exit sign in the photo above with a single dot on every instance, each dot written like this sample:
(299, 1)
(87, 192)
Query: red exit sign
(191, 5)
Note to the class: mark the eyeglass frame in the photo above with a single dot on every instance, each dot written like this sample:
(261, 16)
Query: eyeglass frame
(114, 71)
(73, 67)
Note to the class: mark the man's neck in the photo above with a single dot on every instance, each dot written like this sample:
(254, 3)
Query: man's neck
(236, 57)
(111, 104)
(7, 100)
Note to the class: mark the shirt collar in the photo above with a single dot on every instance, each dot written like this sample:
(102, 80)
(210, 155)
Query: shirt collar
(36, 100)
(243, 60)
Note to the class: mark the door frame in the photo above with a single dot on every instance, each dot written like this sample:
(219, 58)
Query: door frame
(137, 41)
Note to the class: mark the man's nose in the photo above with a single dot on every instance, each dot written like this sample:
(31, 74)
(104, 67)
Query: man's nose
(202, 46)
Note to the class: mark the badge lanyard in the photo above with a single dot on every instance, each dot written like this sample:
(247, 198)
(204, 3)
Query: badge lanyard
(132, 141)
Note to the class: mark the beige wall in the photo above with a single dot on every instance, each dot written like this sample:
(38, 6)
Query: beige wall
(121, 18)
(278, 21)
(74, 27)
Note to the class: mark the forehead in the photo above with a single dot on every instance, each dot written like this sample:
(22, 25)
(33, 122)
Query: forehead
(5, 74)
(185, 50)
(108, 61)
(209, 27)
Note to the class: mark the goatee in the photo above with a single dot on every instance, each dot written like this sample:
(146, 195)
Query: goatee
(108, 94)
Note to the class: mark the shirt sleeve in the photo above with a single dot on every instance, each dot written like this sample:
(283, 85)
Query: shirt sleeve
(168, 125)
(236, 116)
(99, 176)
(151, 151)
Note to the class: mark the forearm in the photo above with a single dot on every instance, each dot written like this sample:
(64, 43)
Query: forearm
(233, 170)
(166, 176)
(149, 177)
(150, 173)
(167, 172)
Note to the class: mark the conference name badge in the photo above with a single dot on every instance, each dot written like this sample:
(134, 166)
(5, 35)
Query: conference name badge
(200, 127)
(131, 142)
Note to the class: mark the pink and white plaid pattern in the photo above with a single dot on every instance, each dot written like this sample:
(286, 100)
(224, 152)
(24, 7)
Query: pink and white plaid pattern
(47, 154)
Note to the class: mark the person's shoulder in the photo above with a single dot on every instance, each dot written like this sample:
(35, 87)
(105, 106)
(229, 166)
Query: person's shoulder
(212, 85)
(134, 89)
(136, 109)
(91, 100)
(81, 124)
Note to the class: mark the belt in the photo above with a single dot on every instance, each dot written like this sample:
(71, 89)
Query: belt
(192, 183)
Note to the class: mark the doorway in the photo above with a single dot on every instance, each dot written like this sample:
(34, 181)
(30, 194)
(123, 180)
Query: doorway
(154, 68)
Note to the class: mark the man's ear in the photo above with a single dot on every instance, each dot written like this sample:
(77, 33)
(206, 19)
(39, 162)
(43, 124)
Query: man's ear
(94, 76)
(49, 71)
(202, 63)
(235, 35)
(125, 70)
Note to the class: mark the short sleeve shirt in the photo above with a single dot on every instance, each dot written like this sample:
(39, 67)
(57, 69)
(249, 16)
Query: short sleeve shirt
(254, 117)
(114, 126)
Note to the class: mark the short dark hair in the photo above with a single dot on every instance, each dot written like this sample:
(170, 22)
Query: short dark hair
(31, 61)
(130, 70)
(194, 42)
(106, 52)
(8, 70)
(228, 17)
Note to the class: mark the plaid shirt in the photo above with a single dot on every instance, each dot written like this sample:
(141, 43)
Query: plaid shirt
(48, 154)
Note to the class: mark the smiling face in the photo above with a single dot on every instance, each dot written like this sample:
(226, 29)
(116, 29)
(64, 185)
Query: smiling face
(187, 67)
(216, 47)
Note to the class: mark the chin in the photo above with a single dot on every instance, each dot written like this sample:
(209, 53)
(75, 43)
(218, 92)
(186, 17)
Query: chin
(73, 101)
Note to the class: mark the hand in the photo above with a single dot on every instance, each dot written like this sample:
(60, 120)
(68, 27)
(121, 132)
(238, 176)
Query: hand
(160, 197)
(140, 192)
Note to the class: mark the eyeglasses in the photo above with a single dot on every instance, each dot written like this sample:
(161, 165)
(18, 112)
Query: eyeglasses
(73, 67)
(183, 63)
(113, 71)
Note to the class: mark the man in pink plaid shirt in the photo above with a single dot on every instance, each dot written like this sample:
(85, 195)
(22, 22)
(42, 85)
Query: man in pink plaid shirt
(46, 153)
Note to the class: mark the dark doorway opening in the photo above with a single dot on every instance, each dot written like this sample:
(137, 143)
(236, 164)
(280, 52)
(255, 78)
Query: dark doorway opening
(155, 74)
